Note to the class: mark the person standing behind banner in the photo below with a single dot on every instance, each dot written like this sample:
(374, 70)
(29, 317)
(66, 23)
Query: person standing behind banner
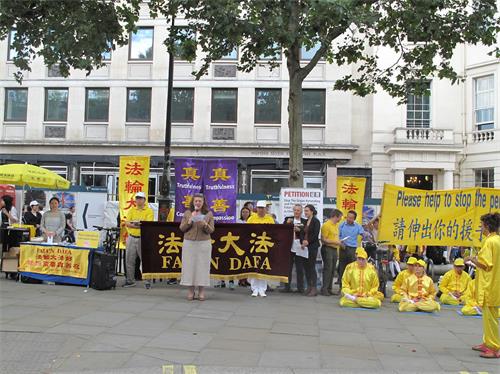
(329, 250)
(349, 230)
(141, 212)
(488, 284)
(53, 222)
(244, 215)
(298, 235)
(197, 224)
(311, 241)
(259, 286)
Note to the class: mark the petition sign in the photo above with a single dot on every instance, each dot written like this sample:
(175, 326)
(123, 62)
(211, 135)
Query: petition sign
(446, 217)
(303, 196)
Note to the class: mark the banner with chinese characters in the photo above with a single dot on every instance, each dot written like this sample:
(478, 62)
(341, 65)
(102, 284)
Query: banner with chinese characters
(238, 251)
(351, 195)
(54, 260)
(134, 177)
(188, 181)
(221, 189)
(447, 217)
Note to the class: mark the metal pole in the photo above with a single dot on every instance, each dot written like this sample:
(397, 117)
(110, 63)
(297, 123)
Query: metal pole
(164, 203)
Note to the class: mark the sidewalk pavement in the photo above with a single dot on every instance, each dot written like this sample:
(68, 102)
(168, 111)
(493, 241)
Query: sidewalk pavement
(68, 329)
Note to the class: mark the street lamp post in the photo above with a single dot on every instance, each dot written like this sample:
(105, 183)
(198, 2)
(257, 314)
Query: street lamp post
(164, 202)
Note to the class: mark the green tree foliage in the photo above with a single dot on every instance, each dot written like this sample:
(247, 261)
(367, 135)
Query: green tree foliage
(349, 32)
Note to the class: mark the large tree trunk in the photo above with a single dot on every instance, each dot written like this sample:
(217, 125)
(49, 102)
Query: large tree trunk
(296, 164)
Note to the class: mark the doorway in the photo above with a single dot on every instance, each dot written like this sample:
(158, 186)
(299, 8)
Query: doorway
(420, 181)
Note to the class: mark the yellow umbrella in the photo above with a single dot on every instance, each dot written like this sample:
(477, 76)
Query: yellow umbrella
(33, 176)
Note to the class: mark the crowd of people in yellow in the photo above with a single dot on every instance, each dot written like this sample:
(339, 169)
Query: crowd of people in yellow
(413, 289)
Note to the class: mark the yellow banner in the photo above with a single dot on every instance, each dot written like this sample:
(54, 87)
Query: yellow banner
(351, 195)
(447, 217)
(54, 260)
(134, 177)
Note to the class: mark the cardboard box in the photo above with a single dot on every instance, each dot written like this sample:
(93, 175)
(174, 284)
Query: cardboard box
(9, 265)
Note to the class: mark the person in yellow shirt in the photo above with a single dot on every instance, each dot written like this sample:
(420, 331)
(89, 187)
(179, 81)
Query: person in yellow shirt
(418, 292)
(454, 284)
(141, 212)
(329, 250)
(471, 307)
(259, 286)
(396, 287)
(360, 284)
(488, 285)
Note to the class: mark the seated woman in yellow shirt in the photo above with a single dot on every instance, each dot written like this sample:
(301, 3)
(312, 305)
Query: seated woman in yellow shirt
(454, 284)
(418, 292)
(396, 287)
(360, 284)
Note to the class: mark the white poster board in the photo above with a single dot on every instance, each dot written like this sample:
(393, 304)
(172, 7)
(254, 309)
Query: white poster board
(90, 209)
(290, 196)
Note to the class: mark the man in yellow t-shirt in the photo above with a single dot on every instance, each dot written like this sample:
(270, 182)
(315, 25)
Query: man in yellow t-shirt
(259, 286)
(329, 250)
(454, 284)
(141, 212)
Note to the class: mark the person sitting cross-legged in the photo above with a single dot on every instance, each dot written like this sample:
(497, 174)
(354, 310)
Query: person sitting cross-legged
(471, 306)
(418, 292)
(454, 284)
(360, 284)
(396, 287)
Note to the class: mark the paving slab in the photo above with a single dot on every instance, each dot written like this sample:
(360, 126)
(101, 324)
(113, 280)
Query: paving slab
(224, 357)
(290, 359)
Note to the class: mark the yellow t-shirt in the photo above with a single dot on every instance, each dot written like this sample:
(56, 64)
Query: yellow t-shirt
(254, 218)
(330, 231)
(488, 281)
(135, 214)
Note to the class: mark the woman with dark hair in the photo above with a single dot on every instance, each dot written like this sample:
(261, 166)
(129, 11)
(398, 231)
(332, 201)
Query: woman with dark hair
(197, 225)
(311, 241)
(8, 211)
(53, 222)
(244, 215)
(488, 284)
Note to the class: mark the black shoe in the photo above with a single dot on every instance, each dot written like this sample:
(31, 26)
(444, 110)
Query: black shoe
(129, 284)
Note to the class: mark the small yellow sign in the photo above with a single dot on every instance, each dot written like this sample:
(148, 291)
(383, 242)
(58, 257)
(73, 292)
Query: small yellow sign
(87, 239)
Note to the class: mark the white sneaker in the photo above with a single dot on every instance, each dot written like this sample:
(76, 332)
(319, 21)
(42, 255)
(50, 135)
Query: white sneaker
(262, 294)
(255, 293)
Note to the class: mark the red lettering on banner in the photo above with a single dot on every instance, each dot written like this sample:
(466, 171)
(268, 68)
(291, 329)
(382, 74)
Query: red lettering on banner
(350, 188)
(133, 169)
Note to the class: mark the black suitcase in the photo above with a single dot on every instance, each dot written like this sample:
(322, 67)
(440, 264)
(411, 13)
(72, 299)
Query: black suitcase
(103, 271)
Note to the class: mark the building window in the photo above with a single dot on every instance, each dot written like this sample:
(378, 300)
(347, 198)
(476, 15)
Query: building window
(224, 105)
(182, 104)
(268, 105)
(306, 54)
(418, 109)
(16, 104)
(485, 177)
(97, 105)
(139, 105)
(272, 56)
(484, 102)
(231, 56)
(106, 55)
(56, 104)
(313, 106)
(11, 53)
(181, 44)
(141, 44)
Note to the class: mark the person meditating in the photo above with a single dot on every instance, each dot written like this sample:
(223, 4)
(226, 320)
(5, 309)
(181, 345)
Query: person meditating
(471, 306)
(396, 287)
(418, 292)
(360, 284)
(454, 284)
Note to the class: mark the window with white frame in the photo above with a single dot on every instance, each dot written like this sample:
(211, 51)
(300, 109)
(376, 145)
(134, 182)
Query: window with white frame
(16, 104)
(96, 104)
(484, 102)
(141, 44)
(56, 104)
(418, 109)
(485, 177)
(138, 104)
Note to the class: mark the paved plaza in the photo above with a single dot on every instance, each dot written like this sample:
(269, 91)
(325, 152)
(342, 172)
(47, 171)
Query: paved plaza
(68, 329)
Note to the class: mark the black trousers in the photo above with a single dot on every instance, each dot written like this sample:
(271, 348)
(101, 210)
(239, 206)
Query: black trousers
(346, 256)
(299, 269)
(311, 274)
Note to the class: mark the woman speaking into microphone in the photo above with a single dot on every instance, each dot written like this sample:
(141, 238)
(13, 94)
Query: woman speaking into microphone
(197, 225)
